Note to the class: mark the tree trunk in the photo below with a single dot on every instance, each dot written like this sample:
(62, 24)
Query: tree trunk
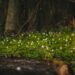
(12, 17)
(3, 12)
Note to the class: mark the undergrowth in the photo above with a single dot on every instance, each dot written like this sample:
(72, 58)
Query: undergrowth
(35, 45)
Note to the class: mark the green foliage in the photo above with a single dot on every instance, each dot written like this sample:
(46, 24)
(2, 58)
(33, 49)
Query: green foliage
(46, 45)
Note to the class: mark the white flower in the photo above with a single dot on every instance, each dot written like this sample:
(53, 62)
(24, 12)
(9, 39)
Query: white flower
(38, 42)
(45, 39)
(18, 45)
(22, 34)
(43, 33)
(3, 42)
(32, 43)
(71, 51)
(50, 33)
(66, 44)
(42, 46)
(59, 38)
(38, 38)
(60, 47)
(72, 34)
(52, 39)
(63, 39)
(66, 40)
(27, 46)
(70, 39)
(55, 42)
(73, 48)
(19, 41)
(59, 33)
(47, 47)
(7, 39)
(52, 50)
(7, 47)
(14, 40)
(10, 42)
(29, 35)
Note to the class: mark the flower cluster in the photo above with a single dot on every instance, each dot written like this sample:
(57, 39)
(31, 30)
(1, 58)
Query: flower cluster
(44, 45)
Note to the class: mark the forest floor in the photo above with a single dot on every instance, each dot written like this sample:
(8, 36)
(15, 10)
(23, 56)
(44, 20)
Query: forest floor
(17, 66)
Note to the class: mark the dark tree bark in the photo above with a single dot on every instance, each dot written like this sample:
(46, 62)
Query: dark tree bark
(12, 17)
(3, 12)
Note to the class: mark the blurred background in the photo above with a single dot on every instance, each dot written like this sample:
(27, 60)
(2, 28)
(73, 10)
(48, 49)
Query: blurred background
(18, 16)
